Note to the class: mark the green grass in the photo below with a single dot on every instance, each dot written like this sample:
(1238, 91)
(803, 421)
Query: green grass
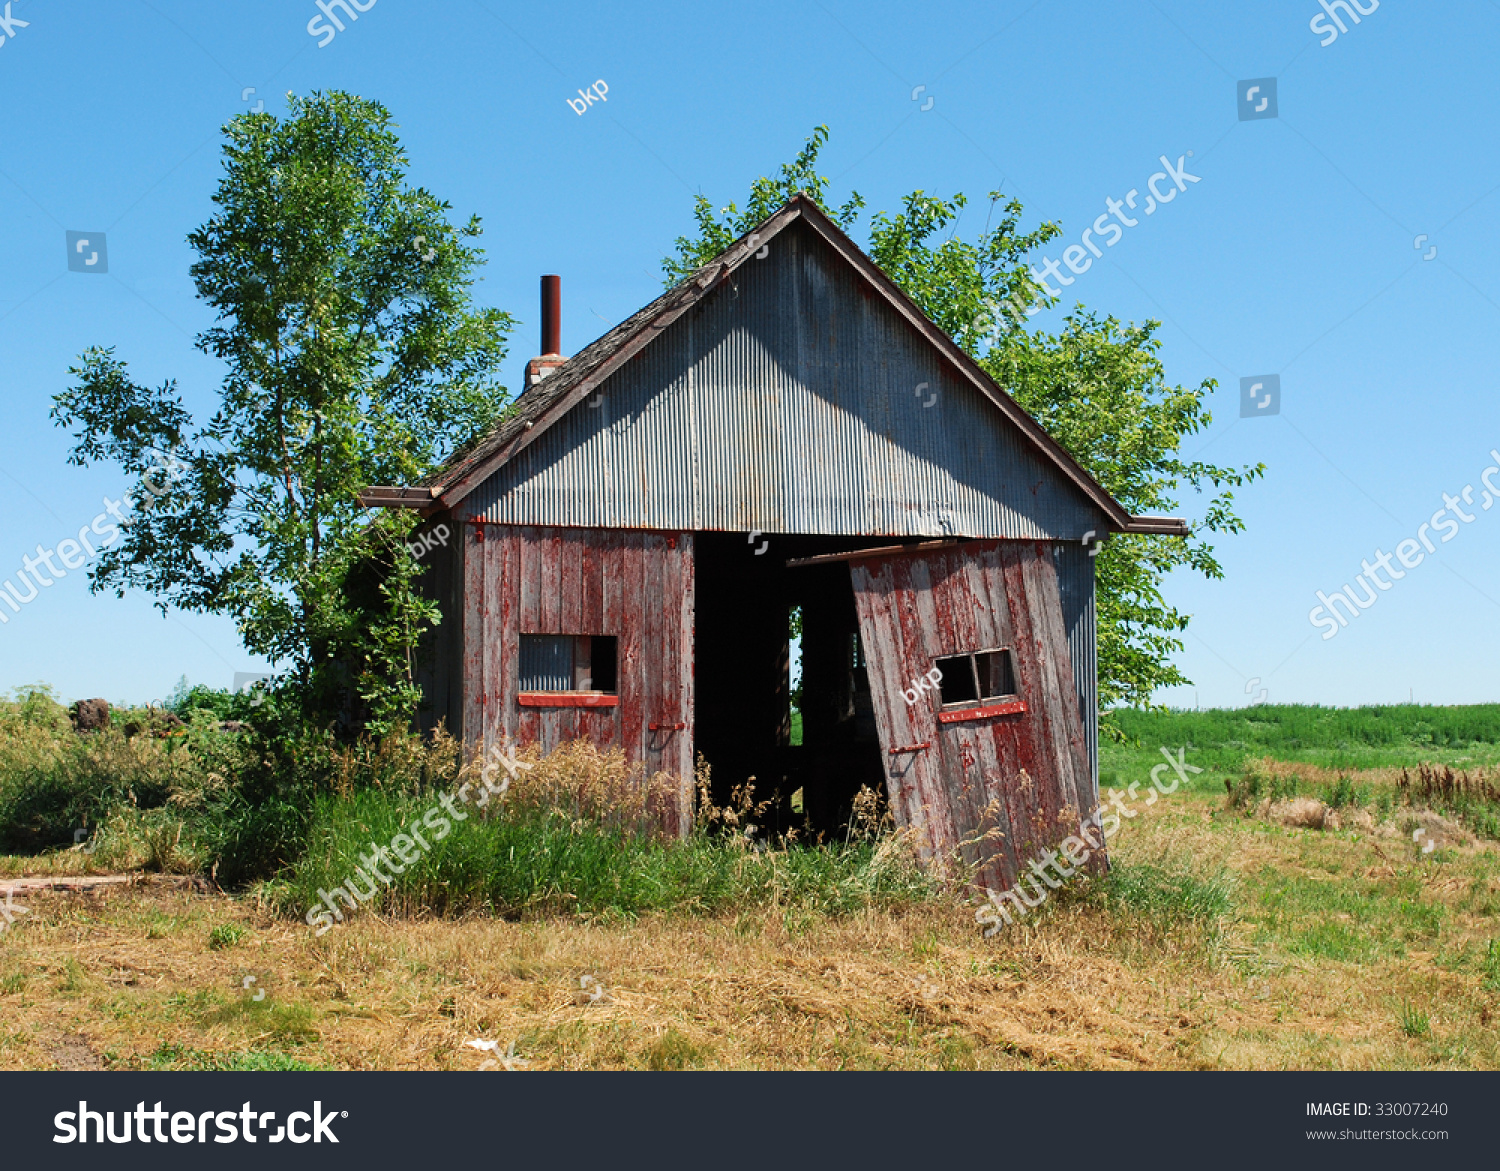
(1491, 966)
(1413, 1022)
(1166, 894)
(530, 861)
(1346, 918)
(181, 1058)
(291, 1024)
(225, 935)
(672, 1051)
(1353, 738)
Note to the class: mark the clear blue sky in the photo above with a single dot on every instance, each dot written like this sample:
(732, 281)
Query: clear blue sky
(1294, 255)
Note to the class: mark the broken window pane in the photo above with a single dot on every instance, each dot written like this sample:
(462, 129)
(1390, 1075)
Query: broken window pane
(976, 678)
(568, 662)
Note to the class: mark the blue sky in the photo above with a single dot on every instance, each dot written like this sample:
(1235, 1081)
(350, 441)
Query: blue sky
(1296, 254)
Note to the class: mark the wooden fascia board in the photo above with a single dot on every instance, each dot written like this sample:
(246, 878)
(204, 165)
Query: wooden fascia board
(380, 496)
(1166, 526)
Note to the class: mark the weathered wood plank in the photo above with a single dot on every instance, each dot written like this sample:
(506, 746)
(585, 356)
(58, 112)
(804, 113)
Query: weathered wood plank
(1024, 755)
(686, 609)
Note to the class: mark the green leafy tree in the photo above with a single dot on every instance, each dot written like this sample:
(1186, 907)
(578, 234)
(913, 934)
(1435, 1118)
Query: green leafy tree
(718, 230)
(353, 355)
(1098, 387)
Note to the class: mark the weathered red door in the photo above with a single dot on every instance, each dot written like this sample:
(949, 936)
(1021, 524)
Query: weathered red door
(987, 763)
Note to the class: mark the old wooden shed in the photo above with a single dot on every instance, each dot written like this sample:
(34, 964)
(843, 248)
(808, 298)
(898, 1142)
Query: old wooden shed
(783, 429)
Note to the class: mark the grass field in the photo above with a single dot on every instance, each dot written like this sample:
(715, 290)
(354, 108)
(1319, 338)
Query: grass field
(1274, 912)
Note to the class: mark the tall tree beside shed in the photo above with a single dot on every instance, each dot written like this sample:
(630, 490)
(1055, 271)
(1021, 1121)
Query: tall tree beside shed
(354, 355)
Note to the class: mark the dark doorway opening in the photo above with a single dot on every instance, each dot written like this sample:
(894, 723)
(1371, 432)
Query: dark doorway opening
(743, 711)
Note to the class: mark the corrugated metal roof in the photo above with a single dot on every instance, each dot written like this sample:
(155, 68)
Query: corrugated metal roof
(532, 406)
(722, 434)
(788, 401)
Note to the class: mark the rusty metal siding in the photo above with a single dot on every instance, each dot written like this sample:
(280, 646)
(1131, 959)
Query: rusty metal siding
(789, 402)
(1023, 775)
(634, 585)
(1075, 580)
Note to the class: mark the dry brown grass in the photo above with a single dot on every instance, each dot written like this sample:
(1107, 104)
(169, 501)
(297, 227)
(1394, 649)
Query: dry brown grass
(1339, 921)
(753, 991)
(107, 977)
(580, 780)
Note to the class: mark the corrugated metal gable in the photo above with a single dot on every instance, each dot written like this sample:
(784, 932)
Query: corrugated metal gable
(789, 401)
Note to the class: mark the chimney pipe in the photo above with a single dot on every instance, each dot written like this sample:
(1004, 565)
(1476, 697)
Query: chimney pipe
(551, 357)
(551, 316)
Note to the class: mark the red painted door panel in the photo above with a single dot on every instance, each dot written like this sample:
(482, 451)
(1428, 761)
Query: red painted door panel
(994, 781)
(633, 585)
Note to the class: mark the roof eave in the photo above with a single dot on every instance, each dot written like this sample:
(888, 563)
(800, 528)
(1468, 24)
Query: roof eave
(1158, 526)
(380, 496)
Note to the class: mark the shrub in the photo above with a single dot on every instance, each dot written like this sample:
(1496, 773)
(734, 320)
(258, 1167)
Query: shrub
(185, 700)
(576, 831)
(179, 794)
(1263, 780)
(1342, 793)
(1474, 799)
(54, 782)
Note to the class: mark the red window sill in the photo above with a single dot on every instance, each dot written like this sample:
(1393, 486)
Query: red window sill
(566, 699)
(959, 715)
